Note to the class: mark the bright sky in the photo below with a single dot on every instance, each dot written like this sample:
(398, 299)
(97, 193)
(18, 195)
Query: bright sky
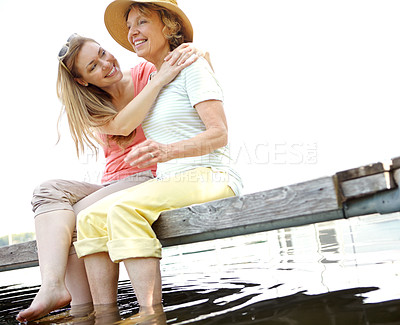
(311, 88)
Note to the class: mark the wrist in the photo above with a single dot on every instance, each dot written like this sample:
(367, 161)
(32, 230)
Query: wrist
(171, 151)
(156, 81)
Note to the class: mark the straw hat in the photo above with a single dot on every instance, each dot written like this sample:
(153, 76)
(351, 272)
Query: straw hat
(114, 19)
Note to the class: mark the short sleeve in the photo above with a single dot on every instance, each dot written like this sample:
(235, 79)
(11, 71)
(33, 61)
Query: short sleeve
(141, 74)
(201, 83)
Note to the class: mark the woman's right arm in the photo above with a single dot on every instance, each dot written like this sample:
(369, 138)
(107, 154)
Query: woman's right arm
(132, 115)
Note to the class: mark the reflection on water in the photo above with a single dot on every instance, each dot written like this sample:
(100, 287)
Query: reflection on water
(341, 272)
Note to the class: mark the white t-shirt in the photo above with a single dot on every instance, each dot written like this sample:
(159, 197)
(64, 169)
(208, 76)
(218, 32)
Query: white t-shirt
(173, 118)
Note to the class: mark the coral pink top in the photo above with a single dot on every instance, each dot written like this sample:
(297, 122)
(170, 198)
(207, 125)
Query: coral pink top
(116, 168)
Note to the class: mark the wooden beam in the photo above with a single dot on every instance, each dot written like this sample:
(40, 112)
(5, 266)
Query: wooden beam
(18, 256)
(396, 176)
(362, 171)
(395, 163)
(293, 205)
(365, 180)
(366, 185)
(395, 170)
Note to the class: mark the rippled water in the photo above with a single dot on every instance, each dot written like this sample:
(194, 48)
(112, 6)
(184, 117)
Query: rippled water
(341, 272)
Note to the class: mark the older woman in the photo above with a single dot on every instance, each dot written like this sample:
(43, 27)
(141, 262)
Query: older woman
(186, 133)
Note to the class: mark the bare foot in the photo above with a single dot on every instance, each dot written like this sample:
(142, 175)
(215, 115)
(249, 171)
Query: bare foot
(47, 299)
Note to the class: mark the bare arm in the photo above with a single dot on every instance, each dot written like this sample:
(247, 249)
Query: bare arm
(132, 115)
(215, 136)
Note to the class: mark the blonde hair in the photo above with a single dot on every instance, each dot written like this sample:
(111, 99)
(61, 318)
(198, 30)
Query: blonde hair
(173, 27)
(87, 107)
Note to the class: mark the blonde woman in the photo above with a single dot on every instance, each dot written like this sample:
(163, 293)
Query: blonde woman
(186, 132)
(98, 100)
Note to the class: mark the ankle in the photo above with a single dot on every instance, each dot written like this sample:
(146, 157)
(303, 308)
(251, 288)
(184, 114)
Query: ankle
(81, 309)
(153, 309)
(53, 283)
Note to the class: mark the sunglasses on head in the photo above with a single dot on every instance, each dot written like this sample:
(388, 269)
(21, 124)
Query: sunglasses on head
(64, 51)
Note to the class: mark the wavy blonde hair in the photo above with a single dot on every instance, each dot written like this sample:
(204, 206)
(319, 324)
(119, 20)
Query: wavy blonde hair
(173, 27)
(87, 107)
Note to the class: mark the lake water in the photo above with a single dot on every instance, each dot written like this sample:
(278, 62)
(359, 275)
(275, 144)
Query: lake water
(333, 273)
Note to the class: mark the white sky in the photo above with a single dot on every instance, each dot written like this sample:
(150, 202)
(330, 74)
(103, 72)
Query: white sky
(311, 88)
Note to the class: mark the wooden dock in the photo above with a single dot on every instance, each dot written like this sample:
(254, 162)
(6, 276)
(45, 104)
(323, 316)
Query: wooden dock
(368, 189)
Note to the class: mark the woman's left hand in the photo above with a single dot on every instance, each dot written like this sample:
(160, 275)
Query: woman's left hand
(147, 153)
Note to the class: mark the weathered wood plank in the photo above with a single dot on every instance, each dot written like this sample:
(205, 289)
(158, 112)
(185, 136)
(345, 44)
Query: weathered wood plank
(396, 176)
(362, 171)
(395, 163)
(293, 205)
(366, 185)
(395, 170)
(299, 204)
(18, 256)
(260, 211)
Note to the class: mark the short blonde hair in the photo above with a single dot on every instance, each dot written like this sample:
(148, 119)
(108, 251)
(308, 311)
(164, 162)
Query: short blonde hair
(87, 108)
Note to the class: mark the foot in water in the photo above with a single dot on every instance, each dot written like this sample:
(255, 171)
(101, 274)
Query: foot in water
(46, 300)
(148, 315)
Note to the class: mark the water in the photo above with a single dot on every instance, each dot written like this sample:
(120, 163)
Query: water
(333, 273)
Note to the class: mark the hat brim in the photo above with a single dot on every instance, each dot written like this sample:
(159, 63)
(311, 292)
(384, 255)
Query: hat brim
(114, 19)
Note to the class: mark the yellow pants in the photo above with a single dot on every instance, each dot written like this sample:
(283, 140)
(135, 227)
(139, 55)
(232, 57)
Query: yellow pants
(120, 224)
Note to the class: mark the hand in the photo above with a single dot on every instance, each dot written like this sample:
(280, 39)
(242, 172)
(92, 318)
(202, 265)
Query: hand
(182, 53)
(185, 51)
(171, 68)
(147, 153)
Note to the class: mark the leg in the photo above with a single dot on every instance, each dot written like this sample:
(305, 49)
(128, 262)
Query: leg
(103, 278)
(121, 223)
(54, 222)
(76, 277)
(102, 273)
(53, 232)
(145, 277)
(129, 221)
(77, 284)
(107, 314)
(54, 203)
(152, 315)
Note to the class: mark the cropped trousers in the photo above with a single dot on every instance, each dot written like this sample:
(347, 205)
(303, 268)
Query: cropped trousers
(60, 194)
(120, 224)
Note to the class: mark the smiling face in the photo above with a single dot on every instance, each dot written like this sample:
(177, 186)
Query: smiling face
(96, 66)
(146, 36)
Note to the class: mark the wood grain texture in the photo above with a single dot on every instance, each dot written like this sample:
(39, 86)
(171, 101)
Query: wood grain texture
(18, 256)
(366, 185)
(250, 211)
(362, 171)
